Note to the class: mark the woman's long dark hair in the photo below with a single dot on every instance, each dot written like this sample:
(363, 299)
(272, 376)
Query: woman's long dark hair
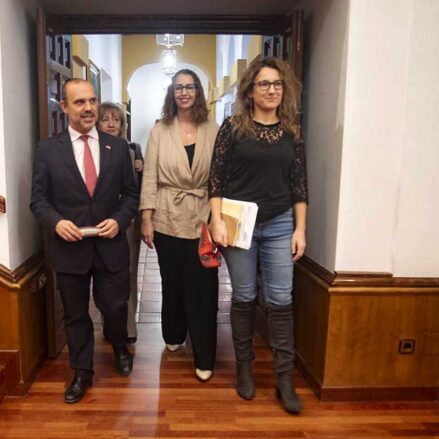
(199, 109)
(288, 111)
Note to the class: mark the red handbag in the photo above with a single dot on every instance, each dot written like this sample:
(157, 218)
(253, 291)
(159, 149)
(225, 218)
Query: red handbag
(208, 251)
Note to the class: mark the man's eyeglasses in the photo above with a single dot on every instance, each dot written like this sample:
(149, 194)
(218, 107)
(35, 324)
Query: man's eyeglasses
(178, 88)
(265, 85)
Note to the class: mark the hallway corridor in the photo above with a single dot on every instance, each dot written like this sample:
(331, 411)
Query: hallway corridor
(162, 398)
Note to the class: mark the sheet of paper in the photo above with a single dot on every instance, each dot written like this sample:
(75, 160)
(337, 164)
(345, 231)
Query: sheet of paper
(245, 212)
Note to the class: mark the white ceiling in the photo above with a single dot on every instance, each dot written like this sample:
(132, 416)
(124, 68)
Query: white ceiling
(169, 7)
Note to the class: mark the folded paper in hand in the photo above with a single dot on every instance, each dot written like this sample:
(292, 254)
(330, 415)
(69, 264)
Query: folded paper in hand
(239, 218)
(88, 232)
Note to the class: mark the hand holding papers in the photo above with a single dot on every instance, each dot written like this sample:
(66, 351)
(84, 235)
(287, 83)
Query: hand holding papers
(239, 218)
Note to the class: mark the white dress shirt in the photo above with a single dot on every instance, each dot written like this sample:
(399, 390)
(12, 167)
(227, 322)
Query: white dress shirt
(78, 148)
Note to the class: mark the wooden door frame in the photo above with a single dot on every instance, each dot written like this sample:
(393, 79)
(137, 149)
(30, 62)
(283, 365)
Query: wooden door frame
(136, 24)
(153, 24)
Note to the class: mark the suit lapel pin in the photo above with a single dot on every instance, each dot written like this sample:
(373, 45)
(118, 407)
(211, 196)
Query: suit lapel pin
(108, 146)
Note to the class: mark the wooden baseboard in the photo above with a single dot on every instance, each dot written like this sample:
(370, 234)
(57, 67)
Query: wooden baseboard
(10, 360)
(23, 339)
(337, 394)
(35, 368)
(3, 385)
(349, 329)
(313, 382)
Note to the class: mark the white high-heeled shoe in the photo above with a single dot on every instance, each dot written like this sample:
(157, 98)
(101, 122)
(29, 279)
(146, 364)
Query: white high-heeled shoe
(172, 347)
(203, 375)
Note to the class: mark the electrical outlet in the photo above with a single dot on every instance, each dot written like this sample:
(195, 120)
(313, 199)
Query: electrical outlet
(407, 346)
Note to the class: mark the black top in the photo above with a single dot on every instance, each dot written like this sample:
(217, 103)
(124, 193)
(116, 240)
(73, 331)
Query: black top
(190, 149)
(269, 170)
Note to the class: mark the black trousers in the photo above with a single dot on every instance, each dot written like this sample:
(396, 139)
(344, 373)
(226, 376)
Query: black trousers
(110, 292)
(190, 297)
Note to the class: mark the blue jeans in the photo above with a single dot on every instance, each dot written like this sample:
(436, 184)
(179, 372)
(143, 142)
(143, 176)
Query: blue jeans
(271, 244)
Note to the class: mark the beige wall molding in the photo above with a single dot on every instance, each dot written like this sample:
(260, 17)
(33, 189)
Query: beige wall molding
(238, 69)
(224, 86)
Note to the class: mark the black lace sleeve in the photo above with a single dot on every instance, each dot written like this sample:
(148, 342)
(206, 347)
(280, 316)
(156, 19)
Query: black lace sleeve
(218, 168)
(299, 185)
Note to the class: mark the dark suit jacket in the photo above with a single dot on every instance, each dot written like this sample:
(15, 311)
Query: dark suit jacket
(59, 192)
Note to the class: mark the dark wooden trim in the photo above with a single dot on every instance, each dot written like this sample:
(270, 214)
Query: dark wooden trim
(151, 24)
(3, 385)
(354, 284)
(10, 360)
(383, 280)
(300, 364)
(14, 278)
(306, 263)
(29, 379)
(43, 105)
(335, 394)
(343, 281)
(338, 394)
(2, 205)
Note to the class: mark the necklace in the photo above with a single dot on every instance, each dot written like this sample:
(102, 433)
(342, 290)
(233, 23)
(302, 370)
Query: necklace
(188, 133)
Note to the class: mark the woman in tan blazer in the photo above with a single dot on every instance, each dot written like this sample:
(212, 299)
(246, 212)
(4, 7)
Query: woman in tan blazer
(174, 203)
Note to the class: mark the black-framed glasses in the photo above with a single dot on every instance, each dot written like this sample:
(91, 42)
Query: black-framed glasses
(178, 88)
(265, 85)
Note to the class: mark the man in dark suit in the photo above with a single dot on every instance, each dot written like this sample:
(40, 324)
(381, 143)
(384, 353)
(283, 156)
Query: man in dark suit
(82, 178)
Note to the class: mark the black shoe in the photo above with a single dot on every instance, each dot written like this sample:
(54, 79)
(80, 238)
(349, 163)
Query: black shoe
(123, 360)
(131, 340)
(76, 390)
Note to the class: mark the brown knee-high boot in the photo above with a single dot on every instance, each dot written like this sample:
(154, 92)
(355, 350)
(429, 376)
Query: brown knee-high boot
(280, 324)
(242, 317)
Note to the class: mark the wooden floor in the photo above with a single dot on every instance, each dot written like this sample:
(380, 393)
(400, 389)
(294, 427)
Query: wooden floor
(162, 398)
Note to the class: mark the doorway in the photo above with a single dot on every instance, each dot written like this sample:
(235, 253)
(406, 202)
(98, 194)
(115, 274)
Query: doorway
(281, 33)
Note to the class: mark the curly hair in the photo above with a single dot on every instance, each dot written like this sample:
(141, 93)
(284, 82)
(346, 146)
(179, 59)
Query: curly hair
(115, 110)
(288, 111)
(199, 109)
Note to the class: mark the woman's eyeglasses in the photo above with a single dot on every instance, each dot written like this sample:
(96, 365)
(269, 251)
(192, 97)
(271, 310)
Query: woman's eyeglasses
(265, 85)
(108, 119)
(178, 88)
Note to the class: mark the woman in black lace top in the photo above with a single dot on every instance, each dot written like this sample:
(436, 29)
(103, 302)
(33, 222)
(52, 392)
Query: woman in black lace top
(259, 157)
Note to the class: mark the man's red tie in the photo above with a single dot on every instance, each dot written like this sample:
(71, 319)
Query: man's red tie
(89, 166)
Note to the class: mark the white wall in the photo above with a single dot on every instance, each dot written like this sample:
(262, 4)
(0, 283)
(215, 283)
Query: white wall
(375, 93)
(388, 217)
(371, 96)
(20, 127)
(4, 237)
(147, 91)
(106, 52)
(416, 239)
(324, 81)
